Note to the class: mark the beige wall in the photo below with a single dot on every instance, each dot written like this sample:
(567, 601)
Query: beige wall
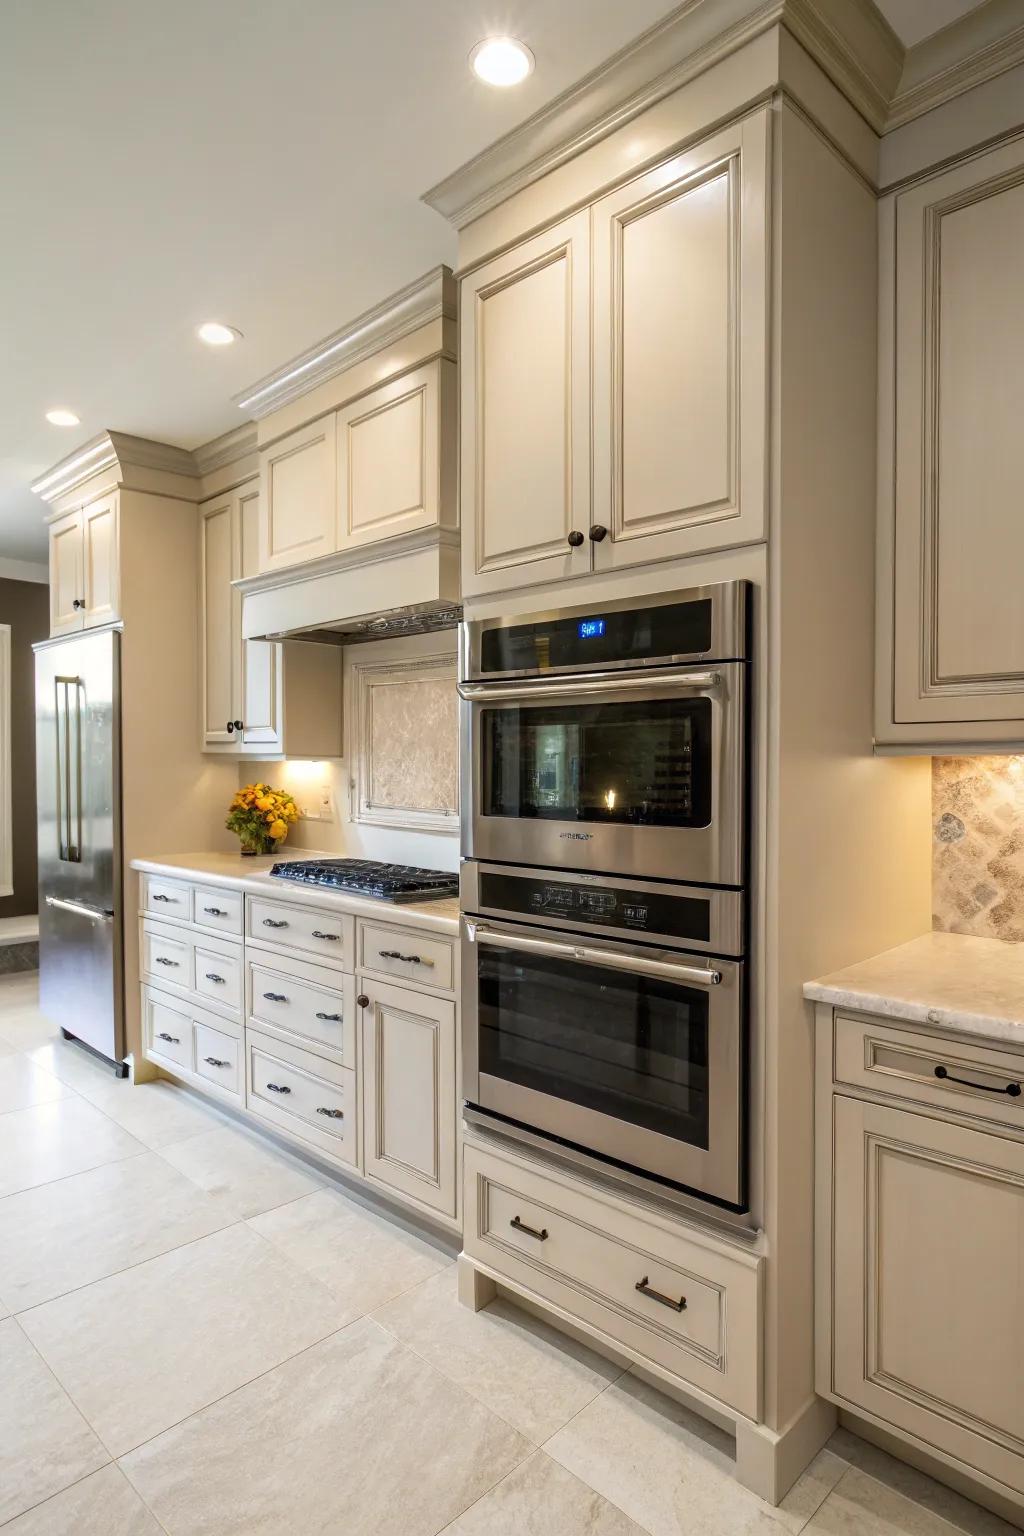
(978, 846)
(25, 606)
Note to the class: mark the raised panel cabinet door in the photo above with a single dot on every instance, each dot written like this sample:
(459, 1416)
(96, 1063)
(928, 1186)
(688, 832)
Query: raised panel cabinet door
(260, 701)
(409, 1093)
(525, 412)
(680, 341)
(221, 620)
(100, 561)
(298, 482)
(928, 1281)
(389, 459)
(67, 588)
(959, 449)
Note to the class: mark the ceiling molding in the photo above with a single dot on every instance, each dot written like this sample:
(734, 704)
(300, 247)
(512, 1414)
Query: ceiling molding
(431, 297)
(119, 450)
(848, 38)
(984, 43)
(226, 449)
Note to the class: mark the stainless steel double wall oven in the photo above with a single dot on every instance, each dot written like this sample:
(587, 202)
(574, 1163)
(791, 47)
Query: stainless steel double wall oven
(604, 817)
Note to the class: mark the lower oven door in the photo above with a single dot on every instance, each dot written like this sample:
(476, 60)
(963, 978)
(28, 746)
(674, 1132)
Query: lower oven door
(630, 1053)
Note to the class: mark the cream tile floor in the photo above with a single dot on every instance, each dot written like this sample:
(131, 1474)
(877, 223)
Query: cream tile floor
(199, 1334)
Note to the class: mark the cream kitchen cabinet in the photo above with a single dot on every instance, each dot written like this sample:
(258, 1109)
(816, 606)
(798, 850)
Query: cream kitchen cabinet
(258, 699)
(633, 336)
(409, 1104)
(951, 541)
(298, 495)
(84, 575)
(920, 1241)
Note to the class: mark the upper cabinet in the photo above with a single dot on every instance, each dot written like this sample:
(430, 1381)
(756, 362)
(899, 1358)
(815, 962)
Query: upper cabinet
(298, 477)
(631, 337)
(951, 539)
(84, 577)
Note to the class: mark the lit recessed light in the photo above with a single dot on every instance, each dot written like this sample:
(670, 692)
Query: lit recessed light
(501, 61)
(217, 335)
(62, 418)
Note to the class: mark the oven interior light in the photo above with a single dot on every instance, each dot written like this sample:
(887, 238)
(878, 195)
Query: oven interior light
(609, 799)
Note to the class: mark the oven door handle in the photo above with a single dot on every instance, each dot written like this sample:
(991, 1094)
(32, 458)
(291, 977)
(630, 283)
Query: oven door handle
(583, 687)
(697, 975)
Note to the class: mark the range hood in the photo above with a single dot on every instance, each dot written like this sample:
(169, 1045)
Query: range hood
(408, 587)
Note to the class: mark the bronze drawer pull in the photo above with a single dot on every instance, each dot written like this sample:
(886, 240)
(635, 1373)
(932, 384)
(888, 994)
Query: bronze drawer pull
(212, 976)
(163, 960)
(521, 1226)
(171, 1039)
(215, 912)
(332, 937)
(213, 1061)
(275, 997)
(330, 1018)
(666, 1301)
(277, 1088)
(394, 954)
(159, 896)
(1013, 1089)
(332, 1114)
(271, 922)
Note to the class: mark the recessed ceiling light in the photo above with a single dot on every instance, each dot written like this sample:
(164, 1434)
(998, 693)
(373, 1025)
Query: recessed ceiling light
(217, 335)
(501, 61)
(62, 418)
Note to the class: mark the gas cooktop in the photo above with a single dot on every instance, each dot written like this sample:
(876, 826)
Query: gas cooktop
(369, 877)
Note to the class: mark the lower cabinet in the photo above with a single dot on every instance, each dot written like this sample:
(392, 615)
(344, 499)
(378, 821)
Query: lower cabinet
(409, 1109)
(302, 1094)
(204, 1048)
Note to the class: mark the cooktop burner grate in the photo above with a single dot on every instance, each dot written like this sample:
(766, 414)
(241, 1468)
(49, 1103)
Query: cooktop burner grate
(371, 877)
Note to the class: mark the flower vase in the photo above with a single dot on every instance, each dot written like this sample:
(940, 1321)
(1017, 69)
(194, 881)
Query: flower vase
(251, 847)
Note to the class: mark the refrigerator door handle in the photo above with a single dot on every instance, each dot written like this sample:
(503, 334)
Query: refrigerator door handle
(69, 770)
(95, 914)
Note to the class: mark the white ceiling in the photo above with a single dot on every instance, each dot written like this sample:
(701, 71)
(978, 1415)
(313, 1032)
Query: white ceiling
(250, 161)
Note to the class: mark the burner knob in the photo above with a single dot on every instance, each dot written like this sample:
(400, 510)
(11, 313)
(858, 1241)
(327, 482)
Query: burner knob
(363, 1000)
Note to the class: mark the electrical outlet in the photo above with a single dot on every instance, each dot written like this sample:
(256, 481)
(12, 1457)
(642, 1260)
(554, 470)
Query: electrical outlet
(325, 808)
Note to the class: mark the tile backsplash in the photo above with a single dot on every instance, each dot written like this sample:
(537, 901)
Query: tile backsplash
(978, 846)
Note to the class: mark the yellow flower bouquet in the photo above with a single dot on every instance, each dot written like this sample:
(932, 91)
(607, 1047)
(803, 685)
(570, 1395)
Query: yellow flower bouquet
(261, 816)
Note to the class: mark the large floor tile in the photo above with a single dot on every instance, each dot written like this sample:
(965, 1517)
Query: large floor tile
(672, 1471)
(242, 1172)
(24, 1027)
(356, 1435)
(533, 1376)
(862, 1506)
(917, 1486)
(156, 1113)
(64, 1235)
(23, 1084)
(76, 1066)
(104, 1504)
(50, 1141)
(364, 1258)
(45, 1444)
(145, 1348)
(540, 1498)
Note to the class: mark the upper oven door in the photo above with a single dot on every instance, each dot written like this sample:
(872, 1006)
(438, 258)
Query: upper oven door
(634, 774)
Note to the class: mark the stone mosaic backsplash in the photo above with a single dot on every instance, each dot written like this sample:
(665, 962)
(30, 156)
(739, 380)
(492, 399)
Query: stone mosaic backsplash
(978, 846)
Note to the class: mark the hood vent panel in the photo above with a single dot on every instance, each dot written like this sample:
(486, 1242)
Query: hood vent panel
(419, 619)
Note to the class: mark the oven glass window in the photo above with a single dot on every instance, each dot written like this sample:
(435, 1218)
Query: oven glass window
(632, 1047)
(645, 764)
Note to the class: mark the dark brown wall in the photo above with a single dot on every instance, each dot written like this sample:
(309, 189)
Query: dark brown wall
(25, 606)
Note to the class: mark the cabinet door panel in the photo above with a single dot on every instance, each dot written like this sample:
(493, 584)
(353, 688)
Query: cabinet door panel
(959, 539)
(928, 1278)
(680, 307)
(525, 379)
(260, 703)
(66, 583)
(409, 1093)
(297, 499)
(388, 460)
(218, 532)
(100, 562)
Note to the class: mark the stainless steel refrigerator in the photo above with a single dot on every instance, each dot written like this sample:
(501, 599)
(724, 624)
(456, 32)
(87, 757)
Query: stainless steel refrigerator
(78, 769)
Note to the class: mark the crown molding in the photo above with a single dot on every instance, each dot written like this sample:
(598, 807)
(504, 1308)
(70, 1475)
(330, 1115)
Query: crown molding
(226, 449)
(431, 297)
(117, 450)
(849, 39)
(981, 45)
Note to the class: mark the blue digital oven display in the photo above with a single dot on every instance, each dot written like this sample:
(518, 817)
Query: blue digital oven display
(589, 629)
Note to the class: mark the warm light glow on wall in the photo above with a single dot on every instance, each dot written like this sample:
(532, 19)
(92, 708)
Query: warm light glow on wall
(301, 770)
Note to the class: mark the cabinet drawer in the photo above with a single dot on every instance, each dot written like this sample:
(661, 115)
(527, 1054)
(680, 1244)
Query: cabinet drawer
(217, 1057)
(622, 1270)
(167, 1030)
(166, 955)
(930, 1069)
(218, 975)
(301, 1093)
(165, 898)
(328, 935)
(406, 954)
(315, 1007)
(219, 910)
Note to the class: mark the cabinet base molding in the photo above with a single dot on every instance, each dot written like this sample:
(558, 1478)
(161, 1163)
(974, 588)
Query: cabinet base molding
(769, 1461)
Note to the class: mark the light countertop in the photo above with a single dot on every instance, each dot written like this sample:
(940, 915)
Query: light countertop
(253, 874)
(947, 979)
